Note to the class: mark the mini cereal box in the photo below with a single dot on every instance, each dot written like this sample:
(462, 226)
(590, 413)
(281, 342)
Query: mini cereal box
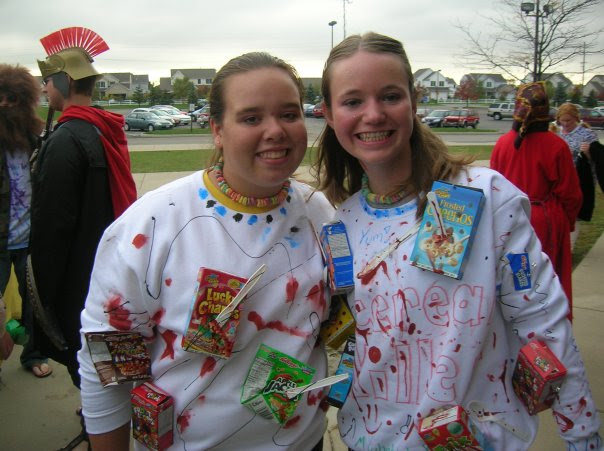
(452, 429)
(339, 392)
(152, 417)
(215, 290)
(336, 247)
(443, 242)
(119, 357)
(537, 376)
(271, 374)
(340, 324)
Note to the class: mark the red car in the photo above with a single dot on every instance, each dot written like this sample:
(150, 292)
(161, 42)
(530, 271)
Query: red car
(594, 118)
(461, 118)
(317, 111)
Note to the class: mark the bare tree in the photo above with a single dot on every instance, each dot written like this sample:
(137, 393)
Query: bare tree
(509, 46)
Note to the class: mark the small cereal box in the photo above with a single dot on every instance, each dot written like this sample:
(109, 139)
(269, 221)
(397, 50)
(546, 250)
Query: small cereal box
(215, 290)
(336, 247)
(537, 377)
(339, 392)
(152, 417)
(452, 429)
(340, 324)
(447, 229)
(271, 374)
(119, 357)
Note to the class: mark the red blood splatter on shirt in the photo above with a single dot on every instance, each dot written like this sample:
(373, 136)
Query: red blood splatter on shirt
(402, 355)
(381, 384)
(169, 338)
(168, 281)
(374, 354)
(208, 366)
(393, 368)
(118, 314)
(363, 333)
(494, 340)
(316, 295)
(531, 334)
(457, 348)
(292, 422)
(255, 318)
(491, 377)
(202, 398)
(563, 421)
(312, 399)
(357, 308)
(365, 279)
(183, 421)
(324, 405)
(411, 328)
(291, 289)
(139, 240)
(156, 318)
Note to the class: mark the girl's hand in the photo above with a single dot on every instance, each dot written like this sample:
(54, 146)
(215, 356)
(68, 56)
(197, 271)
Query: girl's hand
(584, 149)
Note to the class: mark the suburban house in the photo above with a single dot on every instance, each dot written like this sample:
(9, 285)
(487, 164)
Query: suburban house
(437, 86)
(199, 77)
(490, 83)
(554, 79)
(595, 84)
(121, 85)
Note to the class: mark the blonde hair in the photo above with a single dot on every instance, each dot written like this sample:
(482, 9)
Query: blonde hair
(570, 109)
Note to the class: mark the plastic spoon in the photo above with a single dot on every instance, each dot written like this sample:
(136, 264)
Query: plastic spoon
(480, 412)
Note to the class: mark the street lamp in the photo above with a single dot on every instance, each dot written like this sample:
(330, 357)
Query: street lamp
(527, 8)
(437, 84)
(331, 24)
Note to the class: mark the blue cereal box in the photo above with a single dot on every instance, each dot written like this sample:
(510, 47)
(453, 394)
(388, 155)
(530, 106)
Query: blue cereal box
(336, 247)
(339, 392)
(447, 229)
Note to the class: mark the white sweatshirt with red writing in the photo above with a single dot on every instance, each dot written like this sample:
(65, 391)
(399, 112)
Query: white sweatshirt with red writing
(144, 280)
(425, 341)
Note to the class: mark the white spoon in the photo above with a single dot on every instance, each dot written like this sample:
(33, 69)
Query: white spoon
(481, 413)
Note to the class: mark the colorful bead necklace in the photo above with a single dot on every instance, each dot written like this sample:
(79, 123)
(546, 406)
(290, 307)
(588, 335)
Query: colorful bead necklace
(380, 199)
(271, 201)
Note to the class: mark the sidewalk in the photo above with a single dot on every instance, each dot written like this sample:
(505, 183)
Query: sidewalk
(39, 413)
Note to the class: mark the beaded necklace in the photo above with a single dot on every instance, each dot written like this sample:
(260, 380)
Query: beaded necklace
(380, 199)
(271, 201)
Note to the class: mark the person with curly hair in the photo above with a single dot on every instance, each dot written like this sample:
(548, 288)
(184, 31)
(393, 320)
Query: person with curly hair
(20, 127)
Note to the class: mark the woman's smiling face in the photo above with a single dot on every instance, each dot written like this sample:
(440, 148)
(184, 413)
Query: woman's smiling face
(372, 112)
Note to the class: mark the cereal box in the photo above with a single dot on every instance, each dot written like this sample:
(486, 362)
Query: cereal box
(340, 324)
(537, 376)
(215, 290)
(152, 417)
(271, 374)
(339, 392)
(119, 357)
(336, 247)
(447, 229)
(452, 429)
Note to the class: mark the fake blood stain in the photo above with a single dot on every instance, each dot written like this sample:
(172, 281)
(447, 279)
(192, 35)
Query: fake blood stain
(118, 314)
(367, 278)
(260, 324)
(316, 295)
(183, 421)
(139, 240)
(291, 289)
(374, 354)
(169, 338)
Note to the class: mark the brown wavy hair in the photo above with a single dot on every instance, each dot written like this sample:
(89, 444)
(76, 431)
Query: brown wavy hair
(20, 124)
(339, 174)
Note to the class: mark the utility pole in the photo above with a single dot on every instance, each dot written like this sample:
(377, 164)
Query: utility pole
(583, 68)
(344, 14)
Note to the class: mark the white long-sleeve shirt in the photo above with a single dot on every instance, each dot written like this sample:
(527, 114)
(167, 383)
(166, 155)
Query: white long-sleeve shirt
(144, 280)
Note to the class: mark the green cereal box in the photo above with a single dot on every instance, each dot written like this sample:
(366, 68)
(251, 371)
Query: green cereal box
(271, 374)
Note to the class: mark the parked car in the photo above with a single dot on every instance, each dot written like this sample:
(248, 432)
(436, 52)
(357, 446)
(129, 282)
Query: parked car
(203, 119)
(461, 118)
(499, 111)
(594, 118)
(435, 118)
(160, 113)
(317, 110)
(146, 121)
(422, 112)
(599, 109)
(308, 107)
(183, 118)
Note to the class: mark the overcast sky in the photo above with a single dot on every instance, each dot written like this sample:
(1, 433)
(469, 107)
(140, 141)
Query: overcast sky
(151, 37)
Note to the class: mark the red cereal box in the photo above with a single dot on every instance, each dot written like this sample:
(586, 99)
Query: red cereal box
(451, 429)
(152, 416)
(215, 290)
(537, 376)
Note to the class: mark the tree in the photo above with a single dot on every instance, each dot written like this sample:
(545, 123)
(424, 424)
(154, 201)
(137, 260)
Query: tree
(138, 96)
(183, 88)
(590, 100)
(421, 93)
(564, 35)
(467, 90)
(560, 95)
(576, 95)
(310, 93)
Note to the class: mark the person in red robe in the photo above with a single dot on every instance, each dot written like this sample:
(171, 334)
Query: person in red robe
(539, 163)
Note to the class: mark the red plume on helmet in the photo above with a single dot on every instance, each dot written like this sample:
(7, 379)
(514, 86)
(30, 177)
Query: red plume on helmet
(80, 37)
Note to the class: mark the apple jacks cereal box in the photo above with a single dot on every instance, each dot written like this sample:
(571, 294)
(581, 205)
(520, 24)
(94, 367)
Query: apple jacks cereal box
(215, 290)
(537, 376)
(452, 429)
(271, 374)
(119, 357)
(447, 229)
(152, 417)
